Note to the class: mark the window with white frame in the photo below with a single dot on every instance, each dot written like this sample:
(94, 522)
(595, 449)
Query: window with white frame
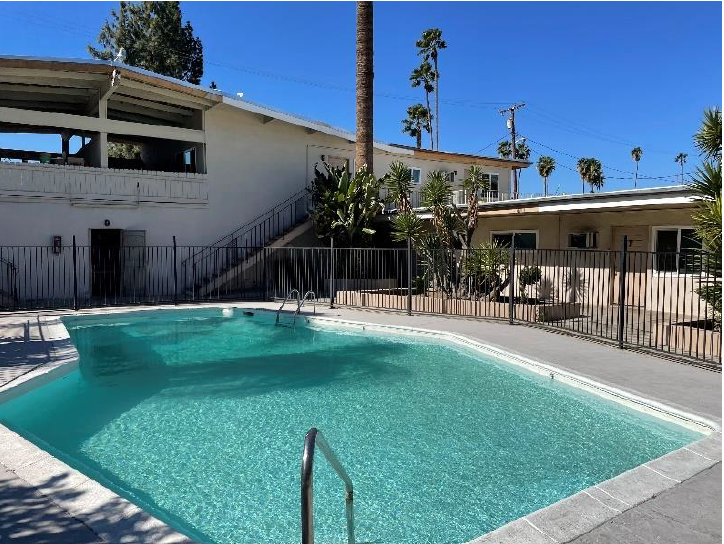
(524, 239)
(678, 249)
(415, 175)
(583, 240)
(492, 180)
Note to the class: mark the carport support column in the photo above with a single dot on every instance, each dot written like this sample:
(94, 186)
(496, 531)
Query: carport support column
(103, 136)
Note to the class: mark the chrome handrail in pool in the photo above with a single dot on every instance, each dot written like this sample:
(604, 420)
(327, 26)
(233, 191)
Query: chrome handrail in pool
(304, 299)
(289, 294)
(314, 438)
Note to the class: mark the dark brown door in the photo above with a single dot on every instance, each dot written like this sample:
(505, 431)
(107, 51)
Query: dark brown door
(106, 263)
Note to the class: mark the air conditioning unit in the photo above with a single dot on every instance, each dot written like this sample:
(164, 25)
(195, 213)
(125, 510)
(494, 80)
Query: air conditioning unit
(583, 240)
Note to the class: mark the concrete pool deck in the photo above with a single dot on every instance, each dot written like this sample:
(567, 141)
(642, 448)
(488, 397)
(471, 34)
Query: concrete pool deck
(674, 499)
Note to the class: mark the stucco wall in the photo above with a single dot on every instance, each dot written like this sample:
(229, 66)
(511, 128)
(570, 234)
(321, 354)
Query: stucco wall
(553, 229)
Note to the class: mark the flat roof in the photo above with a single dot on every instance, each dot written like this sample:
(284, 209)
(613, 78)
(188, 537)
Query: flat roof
(461, 157)
(649, 196)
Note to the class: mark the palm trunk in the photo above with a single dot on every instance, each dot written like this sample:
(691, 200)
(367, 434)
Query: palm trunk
(636, 180)
(419, 137)
(545, 186)
(429, 119)
(437, 111)
(365, 75)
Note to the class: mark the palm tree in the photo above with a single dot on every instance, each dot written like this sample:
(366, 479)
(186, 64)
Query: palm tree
(429, 45)
(584, 169)
(522, 152)
(424, 76)
(504, 149)
(596, 177)
(399, 184)
(546, 165)
(636, 154)
(681, 159)
(708, 137)
(363, 146)
(416, 122)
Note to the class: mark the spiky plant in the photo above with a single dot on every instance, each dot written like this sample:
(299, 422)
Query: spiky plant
(636, 154)
(546, 166)
(408, 226)
(708, 137)
(398, 182)
(475, 181)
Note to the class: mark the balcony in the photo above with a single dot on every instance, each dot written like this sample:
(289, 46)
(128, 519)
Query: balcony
(460, 197)
(89, 186)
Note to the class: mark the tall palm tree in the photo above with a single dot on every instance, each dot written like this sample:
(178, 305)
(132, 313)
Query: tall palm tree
(584, 168)
(522, 152)
(636, 154)
(681, 159)
(423, 75)
(399, 184)
(365, 74)
(430, 45)
(416, 123)
(546, 165)
(595, 175)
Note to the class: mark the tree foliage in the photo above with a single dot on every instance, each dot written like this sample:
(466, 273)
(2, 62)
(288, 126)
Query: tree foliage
(591, 172)
(398, 182)
(546, 165)
(429, 46)
(344, 206)
(424, 76)
(154, 37)
(417, 121)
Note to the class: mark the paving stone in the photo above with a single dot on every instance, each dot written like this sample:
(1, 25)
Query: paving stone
(571, 517)
(515, 532)
(710, 446)
(636, 485)
(681, 464)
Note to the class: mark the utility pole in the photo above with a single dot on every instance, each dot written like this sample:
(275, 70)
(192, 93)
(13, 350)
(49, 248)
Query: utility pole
(511, 121)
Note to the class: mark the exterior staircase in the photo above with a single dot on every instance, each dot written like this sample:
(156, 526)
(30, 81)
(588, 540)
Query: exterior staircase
(212, 268)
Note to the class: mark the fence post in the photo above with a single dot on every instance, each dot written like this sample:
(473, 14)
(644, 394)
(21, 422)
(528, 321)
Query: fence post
(622, 292)
(331, 274)
(75, 278)
(175, 275)
(409, 276)
(265, 273)
(511, 281)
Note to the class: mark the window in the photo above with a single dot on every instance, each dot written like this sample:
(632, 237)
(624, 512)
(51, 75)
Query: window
(677, 250)
(492, 180)
(523, 239)
(415, 174)
(583, 240)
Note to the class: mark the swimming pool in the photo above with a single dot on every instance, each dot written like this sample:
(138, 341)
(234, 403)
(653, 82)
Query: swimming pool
(199, 419)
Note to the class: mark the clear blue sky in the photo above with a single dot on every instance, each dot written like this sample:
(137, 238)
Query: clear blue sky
(598, 78)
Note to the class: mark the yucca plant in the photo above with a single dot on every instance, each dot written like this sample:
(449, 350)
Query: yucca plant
(398, 182)
(436, 195)
(408, 226)
(475, 181)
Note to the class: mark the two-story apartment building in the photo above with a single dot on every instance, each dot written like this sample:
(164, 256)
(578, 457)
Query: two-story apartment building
(195, 163)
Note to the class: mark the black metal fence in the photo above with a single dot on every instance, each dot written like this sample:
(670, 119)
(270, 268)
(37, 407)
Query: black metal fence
(659, 301)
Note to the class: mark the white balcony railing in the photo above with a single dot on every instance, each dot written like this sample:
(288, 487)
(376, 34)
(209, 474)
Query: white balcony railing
(86, 185)
(460, 197)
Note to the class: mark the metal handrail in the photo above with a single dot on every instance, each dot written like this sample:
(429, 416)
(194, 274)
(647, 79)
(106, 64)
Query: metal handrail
(304, 299)
(249, 225)
(289, 294)
(315, 438)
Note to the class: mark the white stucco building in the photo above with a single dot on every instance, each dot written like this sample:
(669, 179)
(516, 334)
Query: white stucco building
(206, 165)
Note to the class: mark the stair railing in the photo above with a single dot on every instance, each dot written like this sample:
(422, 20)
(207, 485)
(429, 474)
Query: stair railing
(252, 235)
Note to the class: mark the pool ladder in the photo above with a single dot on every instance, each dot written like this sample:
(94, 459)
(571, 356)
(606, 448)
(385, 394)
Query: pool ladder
(309, 295)
(313, 440)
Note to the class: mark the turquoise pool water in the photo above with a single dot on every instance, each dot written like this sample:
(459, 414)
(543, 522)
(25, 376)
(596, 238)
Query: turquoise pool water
(200, 419)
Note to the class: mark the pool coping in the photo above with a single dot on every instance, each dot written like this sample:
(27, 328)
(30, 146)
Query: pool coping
(560, 522)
